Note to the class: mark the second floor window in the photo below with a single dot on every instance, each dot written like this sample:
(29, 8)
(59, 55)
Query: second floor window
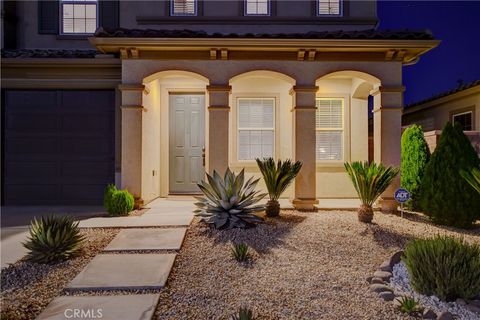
(79, 16)
(257, 7)
(183, 7)
(329, 7)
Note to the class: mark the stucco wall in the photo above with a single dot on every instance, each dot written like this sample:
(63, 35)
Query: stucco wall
(435, 117)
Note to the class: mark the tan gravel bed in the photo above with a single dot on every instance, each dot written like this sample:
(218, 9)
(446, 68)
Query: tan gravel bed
(27, 287)
(304, 266)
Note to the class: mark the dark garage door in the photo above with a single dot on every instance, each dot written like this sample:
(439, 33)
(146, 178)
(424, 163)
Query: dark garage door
(58, 146)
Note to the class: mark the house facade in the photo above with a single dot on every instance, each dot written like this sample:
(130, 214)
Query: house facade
(152, 94)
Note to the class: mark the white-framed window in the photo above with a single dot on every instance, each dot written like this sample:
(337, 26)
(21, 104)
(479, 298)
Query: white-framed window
(465, 119)
(255, 128)
(329, 129)
(257, 7)
(183, 7)
(78, 16)
(329, 7)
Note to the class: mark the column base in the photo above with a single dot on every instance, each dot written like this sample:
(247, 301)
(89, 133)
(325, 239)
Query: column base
(305, 204)
(388, 205)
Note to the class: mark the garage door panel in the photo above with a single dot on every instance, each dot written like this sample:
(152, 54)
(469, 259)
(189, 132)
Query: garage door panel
(28, 123)
(86, 124)
(31, 146)
(58, 146)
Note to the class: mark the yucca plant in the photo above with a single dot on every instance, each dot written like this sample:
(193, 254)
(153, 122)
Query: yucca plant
(409, 305)
(244, 313)
(370, 181)
(277, 178)
(240, 252)
(229, 201)
(53, 239)
(472, 177)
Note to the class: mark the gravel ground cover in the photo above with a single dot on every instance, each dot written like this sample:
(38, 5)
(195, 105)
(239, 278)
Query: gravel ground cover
(27, 288)
(303, 266)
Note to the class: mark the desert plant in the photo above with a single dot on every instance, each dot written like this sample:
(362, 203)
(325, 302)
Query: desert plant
(240, 252)
(244, 313)
(277, 178)
(53, 239)
(415, 156)
(110, 189)
(472, 177)
(370, 181)
(409, 305)
(446, 197)
(229, 202)
(122, 203)
(444, 266)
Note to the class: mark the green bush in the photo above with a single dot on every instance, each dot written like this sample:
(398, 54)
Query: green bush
(446, 197)
(415, 156)
(53, 239)
(122, 203)
(107, 196)
(444, 266)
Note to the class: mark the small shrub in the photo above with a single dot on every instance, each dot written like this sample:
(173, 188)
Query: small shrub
(444, 266)
(244, 313)
(53, 239)
(409, 305)
(108, 195)
(240, 252)
(446, 197)
(122, 203)
(415, 156)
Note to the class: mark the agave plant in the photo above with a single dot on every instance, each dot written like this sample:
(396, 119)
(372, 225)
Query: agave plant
(472, 177)
(370, 181)
(229, 202)
(53, 239)
(277, 179)
(244, 313)
(408, 305)
(240, 252)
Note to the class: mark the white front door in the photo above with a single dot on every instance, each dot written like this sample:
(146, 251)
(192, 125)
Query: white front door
(186, 142)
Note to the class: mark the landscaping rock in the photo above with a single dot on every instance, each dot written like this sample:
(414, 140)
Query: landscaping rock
(445, 315)
(369, 279)
(428, 314)
(396, 258)
(461, 302)
(376, 287)
(475, 302)
(387, 295)
(397, 302)
(378, 280)
(384, 275)
(385, 266)
(473, 308)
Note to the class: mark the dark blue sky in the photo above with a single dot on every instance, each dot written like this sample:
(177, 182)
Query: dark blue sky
(457, 24)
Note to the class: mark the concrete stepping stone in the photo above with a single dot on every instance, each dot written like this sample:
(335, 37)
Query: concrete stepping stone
(124, 272)
(132, 307)
(169, 211)
(147, 239)
(137, 221)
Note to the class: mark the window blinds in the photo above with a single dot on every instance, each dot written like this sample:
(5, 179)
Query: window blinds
(329, 134)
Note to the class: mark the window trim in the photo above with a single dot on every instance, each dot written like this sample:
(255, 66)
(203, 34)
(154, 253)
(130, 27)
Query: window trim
(268, 14)
(234, 161)
(63, 34)
(173, 14)
(318, 14)
(462, 111)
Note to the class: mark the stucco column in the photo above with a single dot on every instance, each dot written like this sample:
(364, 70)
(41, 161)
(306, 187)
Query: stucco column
(304, 107)
(218, 114)
(131, 106)
(387, 131)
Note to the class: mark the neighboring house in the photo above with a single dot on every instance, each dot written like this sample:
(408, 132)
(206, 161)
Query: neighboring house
(461, 105)
(185, 86)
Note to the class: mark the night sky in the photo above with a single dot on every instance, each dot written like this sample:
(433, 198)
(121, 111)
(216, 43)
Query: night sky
(457, 24)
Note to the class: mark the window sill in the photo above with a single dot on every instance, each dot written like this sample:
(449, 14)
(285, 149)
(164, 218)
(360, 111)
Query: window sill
(74, 36)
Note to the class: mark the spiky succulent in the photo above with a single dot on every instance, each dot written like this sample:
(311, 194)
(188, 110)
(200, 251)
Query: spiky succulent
(53, 239)
(240, 252)
(244, 313)
(229, 201)
(408, 305)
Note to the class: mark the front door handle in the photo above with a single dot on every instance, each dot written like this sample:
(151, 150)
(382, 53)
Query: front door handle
(203, 155)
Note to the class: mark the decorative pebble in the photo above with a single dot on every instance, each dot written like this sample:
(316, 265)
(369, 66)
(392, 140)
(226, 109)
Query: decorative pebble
(384, 275)
(380, 288)
(385, 266)
(445, 315)
(387, 295)
(429, 314)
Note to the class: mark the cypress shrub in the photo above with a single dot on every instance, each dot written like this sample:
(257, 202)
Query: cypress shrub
(415, 156)
(122, 203)
(444, 266)
(446, 197)
(107, 196)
